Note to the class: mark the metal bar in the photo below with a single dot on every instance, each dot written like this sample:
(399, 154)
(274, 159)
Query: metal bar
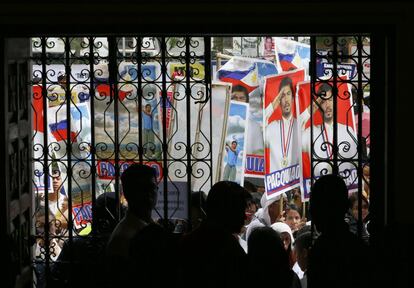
(335, 104)
(360, 94)
(113, 72)
(312, 71)
(45, 159)
(68, 96)
(207, 69)
(188, 108)
(164, 123)
(313, 77)
(92, 150)
(139, 95)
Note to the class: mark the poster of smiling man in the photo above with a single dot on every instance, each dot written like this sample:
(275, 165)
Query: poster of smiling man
(282, 149)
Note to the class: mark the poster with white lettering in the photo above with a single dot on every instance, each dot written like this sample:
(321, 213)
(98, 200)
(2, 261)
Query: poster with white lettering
(282, 149)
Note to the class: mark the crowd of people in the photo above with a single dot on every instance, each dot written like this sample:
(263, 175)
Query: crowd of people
(244, 239)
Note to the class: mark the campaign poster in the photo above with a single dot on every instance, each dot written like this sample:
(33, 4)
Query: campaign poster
(127, 116)
(366, 59)
(247, 78)
(235, 143)
(220, 102)
(79, 134)
(292, 55)
(323, 134)
(180, 116)
(282, 149)
(268, 48)
(151, 125)
(246, 46)
(81, 193)
(179, 70)
(324, 69)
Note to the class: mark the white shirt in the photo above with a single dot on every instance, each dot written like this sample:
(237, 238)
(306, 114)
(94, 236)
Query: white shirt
(281, 137)
(321, 151)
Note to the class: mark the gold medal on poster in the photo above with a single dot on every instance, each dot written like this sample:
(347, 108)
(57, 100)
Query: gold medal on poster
(284, 162)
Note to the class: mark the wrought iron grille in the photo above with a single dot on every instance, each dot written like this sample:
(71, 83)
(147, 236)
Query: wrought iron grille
(340, 92)
(100, 104)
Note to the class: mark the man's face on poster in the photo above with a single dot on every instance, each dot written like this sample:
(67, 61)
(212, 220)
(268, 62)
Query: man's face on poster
(239, 96)
(327, 107)
(148, 108)
(234, 145)
(286, 101)
(56, 181)
(268, 44)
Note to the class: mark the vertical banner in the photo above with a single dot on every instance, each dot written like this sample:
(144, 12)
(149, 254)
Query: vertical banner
(220, 102)
(177, 140)
(235, 143)
(282, 149)
(323, 134)
(246, 76)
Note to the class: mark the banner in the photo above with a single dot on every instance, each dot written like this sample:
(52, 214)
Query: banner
(235, 143)
(180, 116)
(324, 69)
(323, 134)
(106, 169)
(282, 149)
(220, 102)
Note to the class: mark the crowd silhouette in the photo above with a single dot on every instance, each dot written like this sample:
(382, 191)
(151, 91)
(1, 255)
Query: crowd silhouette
(218, 251)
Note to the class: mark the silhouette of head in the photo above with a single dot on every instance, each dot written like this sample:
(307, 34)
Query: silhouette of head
(328, 203)
(302, 245)
(105, 212)
(226, 205)
(140, 187)
(265, 249)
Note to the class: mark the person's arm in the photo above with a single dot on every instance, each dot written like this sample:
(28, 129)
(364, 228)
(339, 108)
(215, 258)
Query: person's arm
(234, 150)
(147, 113)
(306, 114)
(273, 106)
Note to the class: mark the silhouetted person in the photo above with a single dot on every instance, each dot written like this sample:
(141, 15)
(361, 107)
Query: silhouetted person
(303, 244)
(337, 258)
(267, 253)
(351, 217)
(86, 253)
(211, 255)
(140, 190)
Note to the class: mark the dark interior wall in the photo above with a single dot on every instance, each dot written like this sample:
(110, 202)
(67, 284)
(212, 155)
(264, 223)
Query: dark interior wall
(389, 22)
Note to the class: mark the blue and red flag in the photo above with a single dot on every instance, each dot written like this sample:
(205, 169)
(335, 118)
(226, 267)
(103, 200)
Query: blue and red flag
(59, 130)
(239, 71)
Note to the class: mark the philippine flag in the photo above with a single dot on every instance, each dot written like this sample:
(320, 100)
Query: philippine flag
(59, 131)
(240, 71)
